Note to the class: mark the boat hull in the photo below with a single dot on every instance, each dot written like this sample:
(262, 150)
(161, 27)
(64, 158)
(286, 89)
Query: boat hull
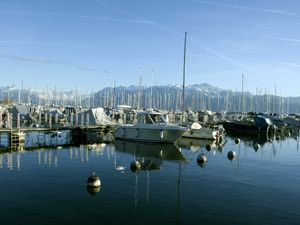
(157, 134)
(202, 133)
(235, 127)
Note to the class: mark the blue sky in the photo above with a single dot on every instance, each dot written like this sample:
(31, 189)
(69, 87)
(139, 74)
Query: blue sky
(89, 44)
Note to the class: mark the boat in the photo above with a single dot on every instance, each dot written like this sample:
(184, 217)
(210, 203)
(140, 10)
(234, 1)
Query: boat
(258, 124)
(197, 131)
(150, 126)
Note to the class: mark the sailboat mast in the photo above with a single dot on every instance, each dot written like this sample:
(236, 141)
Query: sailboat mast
(183, 80)
(242, 105)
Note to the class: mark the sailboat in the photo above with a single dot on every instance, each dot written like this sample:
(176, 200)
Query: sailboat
(195, 130)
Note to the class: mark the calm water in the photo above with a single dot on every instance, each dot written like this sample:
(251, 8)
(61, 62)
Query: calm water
(48, 186)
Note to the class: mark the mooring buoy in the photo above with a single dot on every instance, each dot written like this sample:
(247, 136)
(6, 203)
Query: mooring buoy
(256, 146)
(93, 190)
(231, 155)
(93, 180)
(237, 141)
(201, 160)
(135, 165)
(208, 147)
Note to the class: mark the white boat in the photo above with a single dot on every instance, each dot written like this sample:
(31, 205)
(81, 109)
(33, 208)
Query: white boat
(150, 127)
(197, 131)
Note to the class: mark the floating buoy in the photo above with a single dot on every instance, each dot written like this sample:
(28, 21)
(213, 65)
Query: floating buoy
(208, 147)
(237, 141)
(93, 190)
(201, 160)
(256, 146)
(93, 180)
(135, 165)
(231, 155)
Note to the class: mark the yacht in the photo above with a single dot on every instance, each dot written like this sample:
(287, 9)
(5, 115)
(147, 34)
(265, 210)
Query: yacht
(150, 126)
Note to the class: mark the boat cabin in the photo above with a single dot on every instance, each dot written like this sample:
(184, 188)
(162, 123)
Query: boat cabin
(150, 118)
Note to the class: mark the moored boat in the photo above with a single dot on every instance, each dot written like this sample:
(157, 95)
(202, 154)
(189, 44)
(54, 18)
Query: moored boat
(150, 127)
(199, 132)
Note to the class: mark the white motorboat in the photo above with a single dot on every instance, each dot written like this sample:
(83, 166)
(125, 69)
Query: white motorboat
(150, 127)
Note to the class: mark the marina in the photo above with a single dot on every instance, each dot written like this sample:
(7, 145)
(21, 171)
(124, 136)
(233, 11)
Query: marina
(170, 187)
(149, 112)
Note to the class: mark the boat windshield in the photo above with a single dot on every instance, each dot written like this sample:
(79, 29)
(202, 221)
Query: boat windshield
(157, 118)
(152, 119)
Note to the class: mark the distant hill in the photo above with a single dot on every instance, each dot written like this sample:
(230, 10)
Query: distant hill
(197, 97)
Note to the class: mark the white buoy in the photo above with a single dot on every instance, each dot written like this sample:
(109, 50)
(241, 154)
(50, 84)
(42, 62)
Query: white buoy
(231, 155)
(237, 141)
(201, 160)
(256, 146)
(93, 190)
(135, 165)
(93, 180)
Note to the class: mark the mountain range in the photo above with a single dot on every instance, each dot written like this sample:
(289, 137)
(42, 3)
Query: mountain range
(197, 97)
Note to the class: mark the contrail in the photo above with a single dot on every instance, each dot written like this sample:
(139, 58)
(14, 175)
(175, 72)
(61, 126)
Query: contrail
(282, 39)
(210, 50)
(31, 42)
(262, 10)
(289, 64)
(49, 61)
(25, 58)
(85, 68)
(78, 16)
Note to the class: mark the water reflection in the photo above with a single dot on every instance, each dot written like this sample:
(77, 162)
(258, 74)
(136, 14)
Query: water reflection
(195, 145)
(49, 156)
(11, 160)
(149, 151)
(151, 156)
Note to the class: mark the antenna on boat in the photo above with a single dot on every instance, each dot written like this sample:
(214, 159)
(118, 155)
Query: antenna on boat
(183, 80)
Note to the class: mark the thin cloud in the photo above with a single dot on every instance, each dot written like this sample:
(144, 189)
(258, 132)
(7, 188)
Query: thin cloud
(30, 13)
(106, 71)
(289, 64)
(25, 58)
(137, 20)
(48, 61)
(262, 10)
(282, 39)
(85, 68)
(30, 42)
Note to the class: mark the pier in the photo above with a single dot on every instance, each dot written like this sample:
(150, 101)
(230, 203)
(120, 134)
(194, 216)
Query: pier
(17, 139)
